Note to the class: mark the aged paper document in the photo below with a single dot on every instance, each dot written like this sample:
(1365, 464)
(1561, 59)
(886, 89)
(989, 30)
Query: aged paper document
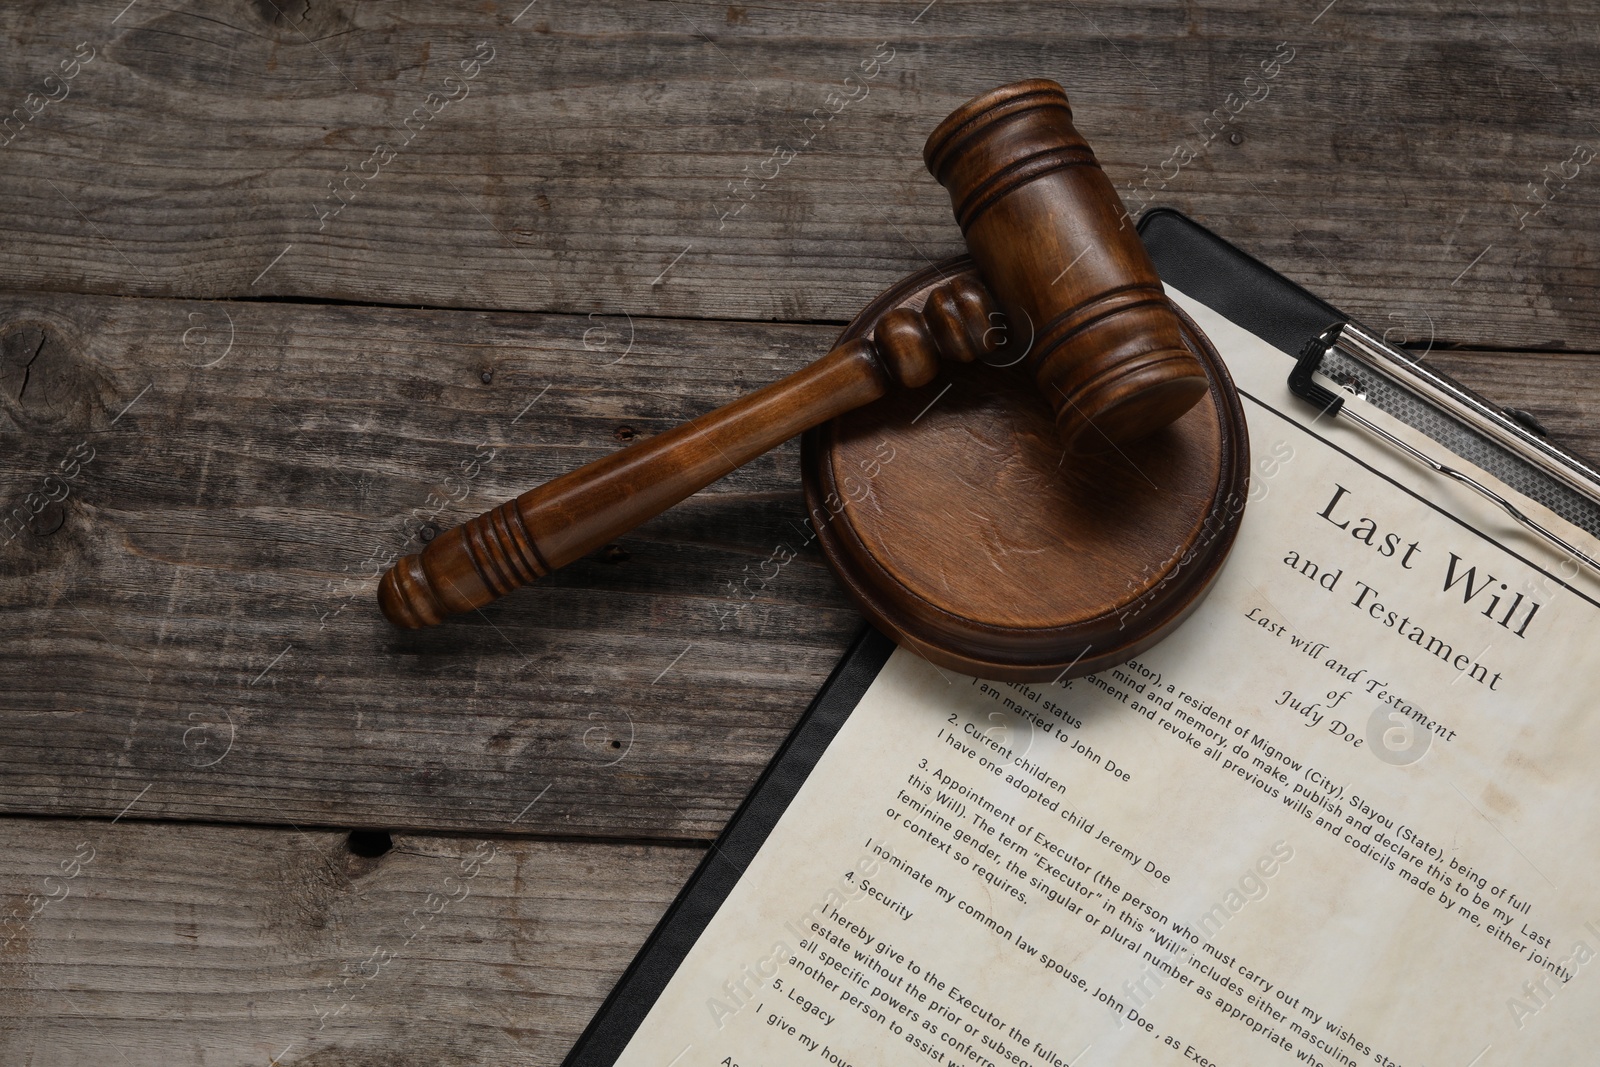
(1347, 814)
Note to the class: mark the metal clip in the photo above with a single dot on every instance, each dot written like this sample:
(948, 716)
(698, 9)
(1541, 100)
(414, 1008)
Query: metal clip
(1411, 376)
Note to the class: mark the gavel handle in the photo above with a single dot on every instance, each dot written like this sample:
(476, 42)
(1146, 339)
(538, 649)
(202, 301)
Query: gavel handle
(572, 515)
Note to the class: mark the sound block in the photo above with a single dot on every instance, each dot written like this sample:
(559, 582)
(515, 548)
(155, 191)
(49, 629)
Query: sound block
(964, 531)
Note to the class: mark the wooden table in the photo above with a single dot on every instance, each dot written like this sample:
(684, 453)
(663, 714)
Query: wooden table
(288, 286)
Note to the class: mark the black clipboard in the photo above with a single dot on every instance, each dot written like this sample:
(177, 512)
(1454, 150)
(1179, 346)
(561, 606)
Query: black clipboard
(1243, 290)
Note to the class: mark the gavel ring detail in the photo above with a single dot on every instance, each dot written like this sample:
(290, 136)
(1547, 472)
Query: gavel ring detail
(1050, 238)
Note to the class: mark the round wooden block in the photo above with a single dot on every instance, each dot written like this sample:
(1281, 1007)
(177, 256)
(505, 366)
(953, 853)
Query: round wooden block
(965, 532)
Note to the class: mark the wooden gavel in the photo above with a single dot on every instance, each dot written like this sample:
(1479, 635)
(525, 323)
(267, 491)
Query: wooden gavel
(1048, 233)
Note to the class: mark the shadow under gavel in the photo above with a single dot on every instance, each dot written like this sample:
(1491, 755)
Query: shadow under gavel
(1050, 239)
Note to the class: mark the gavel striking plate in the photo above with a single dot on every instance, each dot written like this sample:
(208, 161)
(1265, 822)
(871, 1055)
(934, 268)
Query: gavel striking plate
(1062, 490)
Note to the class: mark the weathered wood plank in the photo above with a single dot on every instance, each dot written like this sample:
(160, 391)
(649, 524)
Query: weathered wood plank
(596, 162)
(205, 945)
(203, 620)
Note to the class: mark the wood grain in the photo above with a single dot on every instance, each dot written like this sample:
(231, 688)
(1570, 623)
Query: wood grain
(249, 411)
(213, 575)
(208, 945)
(595, 164)
(962, 526)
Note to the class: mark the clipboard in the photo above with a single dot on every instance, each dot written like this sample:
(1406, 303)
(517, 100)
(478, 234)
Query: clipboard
(1341, 365)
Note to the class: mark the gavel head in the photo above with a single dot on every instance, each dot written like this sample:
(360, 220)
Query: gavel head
(1056, 249)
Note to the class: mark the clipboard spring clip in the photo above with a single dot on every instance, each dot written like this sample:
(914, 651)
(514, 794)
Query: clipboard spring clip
(1458, 405)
